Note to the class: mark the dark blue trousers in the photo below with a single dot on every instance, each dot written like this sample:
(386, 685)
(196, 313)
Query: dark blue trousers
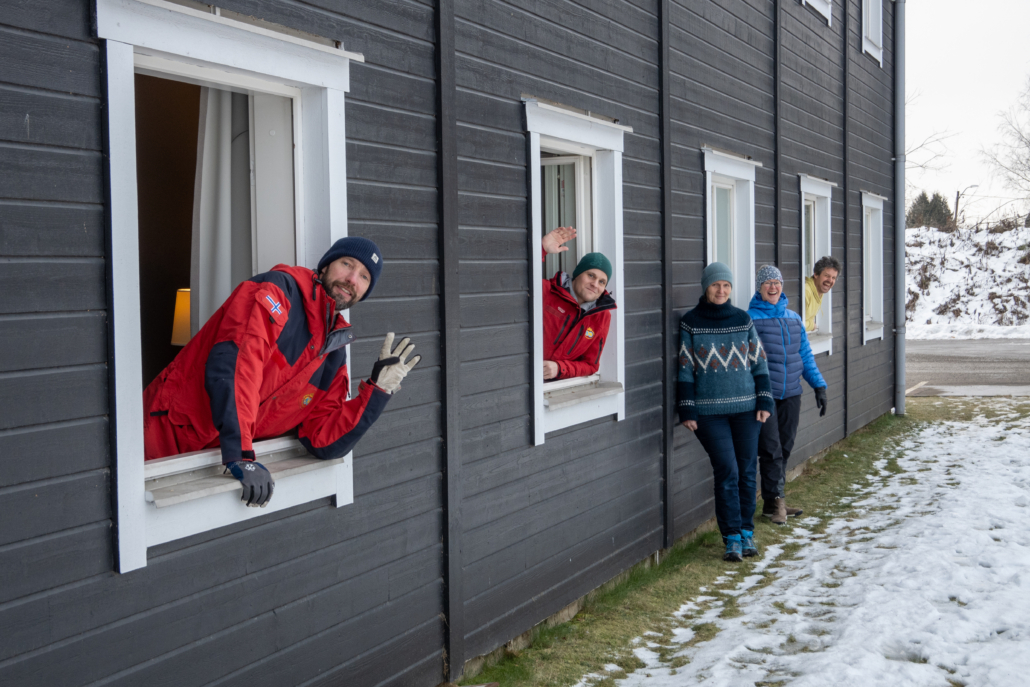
(731, 442)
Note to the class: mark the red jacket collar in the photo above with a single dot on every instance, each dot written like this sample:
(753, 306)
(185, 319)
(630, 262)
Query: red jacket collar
(605, 302)
(317, 304)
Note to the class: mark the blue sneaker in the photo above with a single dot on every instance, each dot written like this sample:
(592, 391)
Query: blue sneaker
(733, 548)
(747, 540)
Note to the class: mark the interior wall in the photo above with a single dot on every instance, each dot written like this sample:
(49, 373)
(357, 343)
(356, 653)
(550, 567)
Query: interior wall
(167, 117)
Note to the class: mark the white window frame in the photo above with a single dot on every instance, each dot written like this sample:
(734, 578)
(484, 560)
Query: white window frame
(725, 169)
(169, 39)
(820, 192)
(584, 220)
(872, 266)
(823, 7)
(872, 29)
(587, 398)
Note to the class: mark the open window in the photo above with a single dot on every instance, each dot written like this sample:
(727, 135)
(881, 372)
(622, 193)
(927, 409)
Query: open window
(730, 218)
(576, 179)
(816, 195)
(263, 182)
(872, 267)
(872, 29)
(823, 7)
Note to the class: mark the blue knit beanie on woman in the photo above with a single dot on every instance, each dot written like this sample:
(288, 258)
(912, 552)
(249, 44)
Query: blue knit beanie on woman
(768, 273)
(715, 272)
(361, 249)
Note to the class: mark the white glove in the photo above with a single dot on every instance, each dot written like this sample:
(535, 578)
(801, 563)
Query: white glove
(390, 369)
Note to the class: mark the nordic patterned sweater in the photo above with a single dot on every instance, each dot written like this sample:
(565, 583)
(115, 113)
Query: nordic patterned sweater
(723, 370)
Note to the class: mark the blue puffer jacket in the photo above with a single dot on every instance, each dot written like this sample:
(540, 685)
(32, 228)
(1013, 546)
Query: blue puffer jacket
(786, 346)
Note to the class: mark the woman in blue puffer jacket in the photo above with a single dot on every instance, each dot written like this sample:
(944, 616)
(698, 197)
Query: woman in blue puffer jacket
(782, 332)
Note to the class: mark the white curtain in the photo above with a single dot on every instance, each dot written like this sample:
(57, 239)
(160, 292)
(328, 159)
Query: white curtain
(222, 235)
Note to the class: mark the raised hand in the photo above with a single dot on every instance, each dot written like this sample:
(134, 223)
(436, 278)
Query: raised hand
(390, 370)
(553, 241)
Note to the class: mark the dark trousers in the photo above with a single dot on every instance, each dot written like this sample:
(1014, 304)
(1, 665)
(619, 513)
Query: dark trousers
(775, 443)
(731, 442)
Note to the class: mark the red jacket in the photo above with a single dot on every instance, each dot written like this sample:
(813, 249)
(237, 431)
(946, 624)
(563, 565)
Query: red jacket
(572, 338)
(269, 361)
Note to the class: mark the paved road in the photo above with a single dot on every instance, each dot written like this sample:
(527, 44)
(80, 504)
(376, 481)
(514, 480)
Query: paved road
(977, 367)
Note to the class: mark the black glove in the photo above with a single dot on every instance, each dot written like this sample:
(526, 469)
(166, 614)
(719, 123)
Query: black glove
(820, 400)
(256, 480)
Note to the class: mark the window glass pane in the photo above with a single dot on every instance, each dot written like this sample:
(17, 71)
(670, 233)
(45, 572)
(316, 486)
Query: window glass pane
(724, 225)
(809, 229)
(559, 210)
(868, 272)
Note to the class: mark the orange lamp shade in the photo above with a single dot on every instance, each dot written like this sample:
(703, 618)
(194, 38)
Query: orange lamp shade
(181, 323)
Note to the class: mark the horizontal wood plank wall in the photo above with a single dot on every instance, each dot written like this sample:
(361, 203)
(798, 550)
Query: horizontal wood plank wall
(813, 143)
(544, 525)
(319, 596)
(871, 366)
(723, 71)
(312, 595)
(55, 503)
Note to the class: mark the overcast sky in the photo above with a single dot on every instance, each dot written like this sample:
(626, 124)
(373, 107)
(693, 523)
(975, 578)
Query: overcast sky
(966, 62)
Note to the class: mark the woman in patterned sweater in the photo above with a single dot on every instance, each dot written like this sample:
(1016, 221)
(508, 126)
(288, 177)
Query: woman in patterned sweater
(724, 397)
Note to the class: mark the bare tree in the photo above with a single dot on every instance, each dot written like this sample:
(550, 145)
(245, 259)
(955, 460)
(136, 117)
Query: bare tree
(1011, 157)
(929, 155)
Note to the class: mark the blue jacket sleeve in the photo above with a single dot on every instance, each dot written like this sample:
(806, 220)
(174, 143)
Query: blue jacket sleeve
(811, 370)
(685, 393)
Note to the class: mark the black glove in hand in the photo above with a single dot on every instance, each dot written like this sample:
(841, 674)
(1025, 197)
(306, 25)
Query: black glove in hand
(256, 480)
(820, 400)
(391, 369)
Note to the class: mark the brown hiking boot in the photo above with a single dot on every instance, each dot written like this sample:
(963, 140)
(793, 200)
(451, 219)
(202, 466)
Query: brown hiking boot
(793, 512)
(776, 510)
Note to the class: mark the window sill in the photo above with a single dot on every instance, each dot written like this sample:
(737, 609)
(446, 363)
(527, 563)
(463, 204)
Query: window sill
(874, 51)
(188, 494)
(873, 330)
(555, 400)
(560, 384)
(820, 342)
(582, 403)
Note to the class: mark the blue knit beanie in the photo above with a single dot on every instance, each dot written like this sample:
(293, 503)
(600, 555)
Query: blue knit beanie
(593, 261)
(766, 273)
(361, 249)
(715, 272)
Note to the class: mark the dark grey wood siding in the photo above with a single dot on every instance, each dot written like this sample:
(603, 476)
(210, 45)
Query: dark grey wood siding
(359, 595)
(544, 525)
(723, 61)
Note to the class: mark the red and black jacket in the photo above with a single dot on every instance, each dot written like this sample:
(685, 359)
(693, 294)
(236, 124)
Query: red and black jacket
(269, 361)
(574, 338)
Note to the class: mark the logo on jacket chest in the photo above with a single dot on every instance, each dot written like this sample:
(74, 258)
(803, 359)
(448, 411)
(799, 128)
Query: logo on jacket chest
(589, 333)
(561, 309)
(307, 399)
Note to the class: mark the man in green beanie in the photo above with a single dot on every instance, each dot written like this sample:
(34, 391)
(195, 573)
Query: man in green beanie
(577, 311)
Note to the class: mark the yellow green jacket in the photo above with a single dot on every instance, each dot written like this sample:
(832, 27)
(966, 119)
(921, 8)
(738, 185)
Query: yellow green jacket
(813, 302)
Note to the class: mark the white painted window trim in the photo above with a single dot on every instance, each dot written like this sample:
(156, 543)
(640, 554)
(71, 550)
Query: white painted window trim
(872, 29)
(574, 133)
(160, 38)
(821, 191)
(823, 7)
(724, 168)
(872, 268)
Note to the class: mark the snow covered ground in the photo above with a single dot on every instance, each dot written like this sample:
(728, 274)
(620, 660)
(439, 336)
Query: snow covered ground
(967, 331)
(967, 277)
(929, 584)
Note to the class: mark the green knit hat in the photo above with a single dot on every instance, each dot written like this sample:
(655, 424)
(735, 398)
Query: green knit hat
(593, 261)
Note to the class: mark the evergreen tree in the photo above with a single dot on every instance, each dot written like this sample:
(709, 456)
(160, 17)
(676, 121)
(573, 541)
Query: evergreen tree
(917, 212)
(930, 212)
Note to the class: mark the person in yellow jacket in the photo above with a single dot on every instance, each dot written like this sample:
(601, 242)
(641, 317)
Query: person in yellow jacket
(826, 271)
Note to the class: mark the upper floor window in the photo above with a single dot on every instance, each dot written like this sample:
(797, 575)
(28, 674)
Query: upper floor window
(730, 218)
(576, 180)
(872, 29)
(816, 196)
(872, 267)
(252, 119)
(823, 7)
